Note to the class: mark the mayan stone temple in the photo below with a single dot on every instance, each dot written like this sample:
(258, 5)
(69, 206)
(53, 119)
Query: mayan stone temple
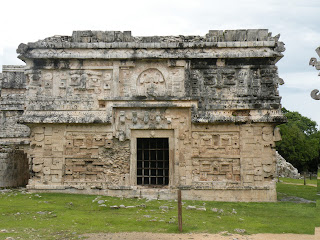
(105, 112)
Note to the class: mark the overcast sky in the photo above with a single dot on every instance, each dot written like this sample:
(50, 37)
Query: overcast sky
(297, 21)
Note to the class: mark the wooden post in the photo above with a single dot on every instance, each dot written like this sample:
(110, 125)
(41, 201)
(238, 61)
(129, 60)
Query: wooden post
(179, 211)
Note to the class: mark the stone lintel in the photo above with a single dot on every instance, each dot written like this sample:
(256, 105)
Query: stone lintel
(65, 117)
(154, 104)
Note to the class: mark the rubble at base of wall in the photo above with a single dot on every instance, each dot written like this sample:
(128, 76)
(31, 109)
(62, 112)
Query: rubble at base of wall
(286, 169)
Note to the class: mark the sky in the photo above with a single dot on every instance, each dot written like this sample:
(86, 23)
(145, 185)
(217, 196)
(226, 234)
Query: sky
(297, 22)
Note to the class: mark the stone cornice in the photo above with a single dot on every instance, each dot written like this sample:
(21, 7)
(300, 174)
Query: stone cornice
(186, 53)
(119, 45)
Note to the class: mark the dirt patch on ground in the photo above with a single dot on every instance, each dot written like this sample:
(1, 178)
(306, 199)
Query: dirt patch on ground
(202, 236)
(295, 199)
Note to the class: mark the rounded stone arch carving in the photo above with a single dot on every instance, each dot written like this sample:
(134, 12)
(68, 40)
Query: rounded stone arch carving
(151, 82)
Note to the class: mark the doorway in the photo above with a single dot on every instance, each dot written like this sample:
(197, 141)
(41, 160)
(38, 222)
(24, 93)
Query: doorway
(153, 161)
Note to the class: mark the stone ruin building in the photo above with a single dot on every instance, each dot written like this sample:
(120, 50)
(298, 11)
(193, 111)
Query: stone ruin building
(313, 62)
(105, 112)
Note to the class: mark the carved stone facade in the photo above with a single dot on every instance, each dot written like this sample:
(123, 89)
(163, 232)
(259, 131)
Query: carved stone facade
(119, 115)
(314, 62)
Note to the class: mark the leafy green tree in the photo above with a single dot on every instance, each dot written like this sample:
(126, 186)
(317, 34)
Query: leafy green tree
(300, 143)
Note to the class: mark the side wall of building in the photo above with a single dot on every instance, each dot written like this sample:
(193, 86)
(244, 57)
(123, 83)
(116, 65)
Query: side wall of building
(14, 168)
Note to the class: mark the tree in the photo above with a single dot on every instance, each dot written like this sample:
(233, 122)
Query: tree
(300, 143)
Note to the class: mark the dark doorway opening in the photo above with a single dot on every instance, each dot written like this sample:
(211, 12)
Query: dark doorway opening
(153, 161)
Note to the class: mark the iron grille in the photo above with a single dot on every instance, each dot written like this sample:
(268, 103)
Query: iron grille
(152, 161)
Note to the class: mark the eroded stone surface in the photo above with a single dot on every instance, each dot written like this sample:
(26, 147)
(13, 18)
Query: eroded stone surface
(91, 95)
(14, 170)
(314, 62)
(286, 169)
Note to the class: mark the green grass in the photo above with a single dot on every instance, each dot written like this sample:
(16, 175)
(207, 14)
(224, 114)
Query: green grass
(66, 216)
(318, 183)
(306, 192)
(299, 181)
(317, 221)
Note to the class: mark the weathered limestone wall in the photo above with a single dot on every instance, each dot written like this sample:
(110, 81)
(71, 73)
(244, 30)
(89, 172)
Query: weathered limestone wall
(12, 97)
(91, 95)
(286, 169)
(14, 170)
(77, 155)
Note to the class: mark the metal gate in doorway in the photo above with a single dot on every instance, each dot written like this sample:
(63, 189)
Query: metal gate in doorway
(153, 161)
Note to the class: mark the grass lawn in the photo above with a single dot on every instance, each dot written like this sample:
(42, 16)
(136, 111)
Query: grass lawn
(299, 181)
(66, 216)
(318, 183)
(306, 192)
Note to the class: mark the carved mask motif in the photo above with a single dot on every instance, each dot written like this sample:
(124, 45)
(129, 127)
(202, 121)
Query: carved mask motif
(151, 83)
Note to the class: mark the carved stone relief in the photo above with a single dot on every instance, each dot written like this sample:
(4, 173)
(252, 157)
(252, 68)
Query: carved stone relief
(70, 83)
(151, 83)
(216, 169)
(257, 155)
(243, 80)
(156, 80)
(126, 87)
(230, 87)
(208, 144)
(47, 154)
(90, 157)
(82, 157)
(138, 118)
(315, 63)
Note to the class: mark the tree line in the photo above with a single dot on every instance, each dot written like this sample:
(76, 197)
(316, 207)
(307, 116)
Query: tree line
(300, 143)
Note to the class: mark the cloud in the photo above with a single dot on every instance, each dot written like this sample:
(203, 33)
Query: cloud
(302, 80)
(303, 104)
(296, 93)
